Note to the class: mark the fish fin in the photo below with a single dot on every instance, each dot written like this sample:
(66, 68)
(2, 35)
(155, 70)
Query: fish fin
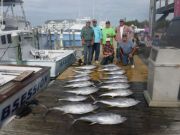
(70, 116)
(92, 98)
(100, 82)
(95, 102)
(74, 121)
(94, 85)
(44, 106)
(92, 123)
(94, 112)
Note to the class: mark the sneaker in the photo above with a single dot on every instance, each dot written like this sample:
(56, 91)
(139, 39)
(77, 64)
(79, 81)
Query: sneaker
(132, 66)
(97, 62)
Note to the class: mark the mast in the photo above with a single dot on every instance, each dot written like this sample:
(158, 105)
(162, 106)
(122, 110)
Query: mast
(24, 15)
(2, 18)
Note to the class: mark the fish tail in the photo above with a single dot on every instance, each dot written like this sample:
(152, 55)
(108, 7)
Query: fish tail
(95, 102)
(74, 121)
(92, 98)
(100, 82)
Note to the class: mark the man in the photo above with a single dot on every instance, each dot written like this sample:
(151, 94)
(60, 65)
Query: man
(87, 36)
(120, 30)
(108, 53)
(108, 32)
(127, 50)
(97, 40)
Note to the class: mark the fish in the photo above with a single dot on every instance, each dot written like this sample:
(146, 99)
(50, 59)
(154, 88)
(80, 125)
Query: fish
(83, 71)
(88, 67)
(115, 77)
(116, 93)
(80, 75)
(116, 86)
(116, 81)
(103, 118)
(110, 69)
(83, 91)
(110, 65)
(120, 72)
(80, 84)
(76, 108)
(85, 78)
(74, 98)
(119, 102)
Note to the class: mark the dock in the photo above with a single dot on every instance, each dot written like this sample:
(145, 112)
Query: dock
(141, 119)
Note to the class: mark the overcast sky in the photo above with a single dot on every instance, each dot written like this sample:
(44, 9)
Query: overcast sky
(38, 11)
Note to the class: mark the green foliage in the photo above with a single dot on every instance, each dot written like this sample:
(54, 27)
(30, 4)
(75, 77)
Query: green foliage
(137, 23)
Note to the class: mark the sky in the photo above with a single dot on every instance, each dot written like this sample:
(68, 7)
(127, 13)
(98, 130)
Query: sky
(38, 11)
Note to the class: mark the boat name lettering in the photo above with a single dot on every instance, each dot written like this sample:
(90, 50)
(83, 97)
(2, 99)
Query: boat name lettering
(9, 109)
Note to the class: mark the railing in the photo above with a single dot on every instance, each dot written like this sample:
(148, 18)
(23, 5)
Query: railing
(163, 3)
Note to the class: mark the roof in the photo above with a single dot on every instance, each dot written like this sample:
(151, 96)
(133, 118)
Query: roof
(59, 20)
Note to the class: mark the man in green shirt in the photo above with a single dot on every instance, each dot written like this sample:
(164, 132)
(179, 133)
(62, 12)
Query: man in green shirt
(87, 36)
(108, 32)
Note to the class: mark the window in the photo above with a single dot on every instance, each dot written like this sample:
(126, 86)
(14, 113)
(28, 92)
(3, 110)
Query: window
(9, 38)
(3, 39)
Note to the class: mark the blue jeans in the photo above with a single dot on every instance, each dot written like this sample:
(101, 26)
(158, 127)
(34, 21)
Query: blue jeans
(127, 60)
(107, 60)
(96, 49)
(118, 56)
(87, 53)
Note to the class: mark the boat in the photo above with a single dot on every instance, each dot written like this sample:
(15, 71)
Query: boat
(22, 46)
(19, 85)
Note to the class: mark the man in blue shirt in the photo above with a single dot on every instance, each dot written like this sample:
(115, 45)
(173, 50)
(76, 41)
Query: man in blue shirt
(97, 40)
(127, 50)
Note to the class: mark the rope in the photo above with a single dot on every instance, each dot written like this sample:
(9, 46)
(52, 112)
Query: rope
(6, 51)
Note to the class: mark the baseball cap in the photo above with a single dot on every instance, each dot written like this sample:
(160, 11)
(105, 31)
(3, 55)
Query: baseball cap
(94, 20)
(107, 22)
(121, 20)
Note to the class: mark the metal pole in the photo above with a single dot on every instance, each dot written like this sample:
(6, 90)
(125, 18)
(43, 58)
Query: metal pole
(152, 17)
(37, 37)
(2, 9)
(24, 15)
(50, 39)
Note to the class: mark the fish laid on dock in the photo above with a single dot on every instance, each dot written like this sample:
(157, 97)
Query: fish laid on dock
(109, 69)
(79, 75)
(74, 98)
(85, 78)
(120, 72)
(119, 102)
(103, 118)
(88, 67)
(80, 84)
(83, 91)
(116, 93)
(116, 86)
(83, 71)
(116, 81)
(115, 77)
(110, 65)
(78, 108)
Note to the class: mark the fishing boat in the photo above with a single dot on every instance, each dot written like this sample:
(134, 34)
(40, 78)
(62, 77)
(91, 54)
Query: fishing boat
(19, 44)
(18, 85)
